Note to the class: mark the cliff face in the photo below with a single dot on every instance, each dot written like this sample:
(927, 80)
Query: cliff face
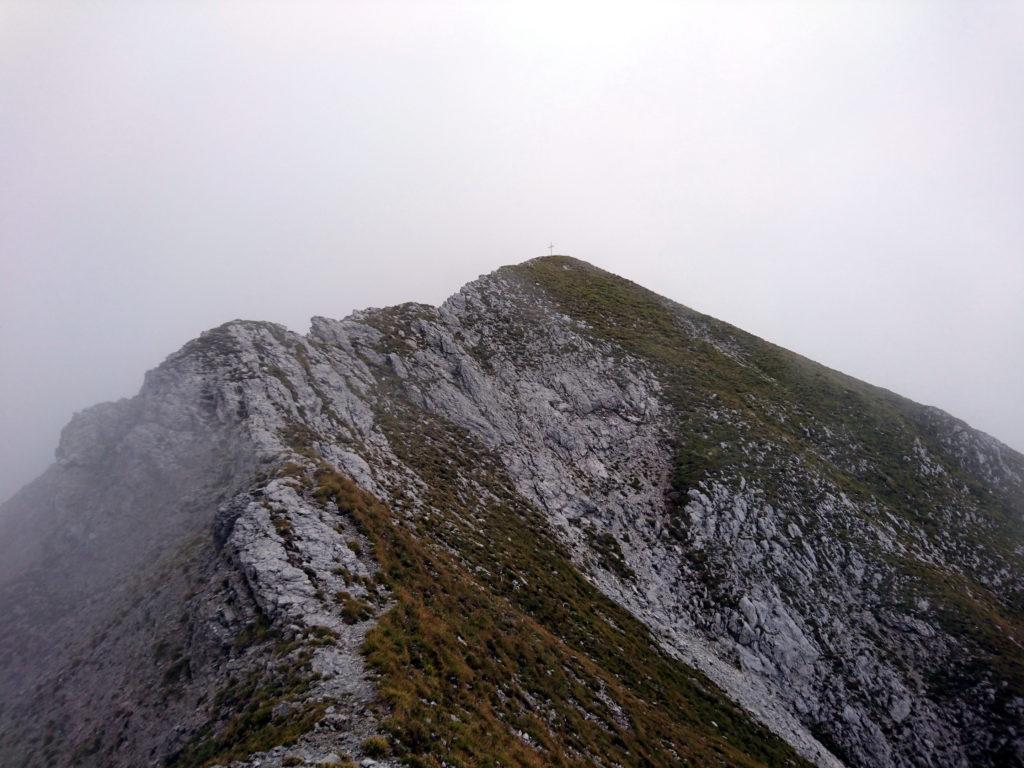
(558, 520)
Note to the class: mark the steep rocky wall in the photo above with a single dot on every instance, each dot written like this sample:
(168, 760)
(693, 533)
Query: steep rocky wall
(158, 581)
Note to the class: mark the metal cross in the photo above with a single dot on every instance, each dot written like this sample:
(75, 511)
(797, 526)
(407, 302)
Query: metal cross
(551, 249)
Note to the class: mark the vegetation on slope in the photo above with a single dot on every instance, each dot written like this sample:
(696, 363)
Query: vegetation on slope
(862, 438)
(266, 707)
(498, 653)
(775, 393)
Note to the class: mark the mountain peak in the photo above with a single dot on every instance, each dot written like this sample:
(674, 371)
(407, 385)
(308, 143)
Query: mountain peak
(557, 520)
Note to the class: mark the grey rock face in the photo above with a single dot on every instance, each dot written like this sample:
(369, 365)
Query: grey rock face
(780, 592)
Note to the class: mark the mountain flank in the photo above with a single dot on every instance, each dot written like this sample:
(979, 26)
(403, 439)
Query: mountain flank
(557, 521)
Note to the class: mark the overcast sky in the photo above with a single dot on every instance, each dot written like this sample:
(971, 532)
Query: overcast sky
(846, 180)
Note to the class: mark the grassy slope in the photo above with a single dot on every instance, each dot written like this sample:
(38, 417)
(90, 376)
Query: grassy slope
(499, 653)
(781, 397)
(884, 424)
(494, 633)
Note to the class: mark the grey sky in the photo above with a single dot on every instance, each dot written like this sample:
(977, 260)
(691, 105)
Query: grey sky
(846, 180)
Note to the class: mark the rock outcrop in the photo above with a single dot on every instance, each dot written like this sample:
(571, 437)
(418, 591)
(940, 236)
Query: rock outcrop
(272, 555)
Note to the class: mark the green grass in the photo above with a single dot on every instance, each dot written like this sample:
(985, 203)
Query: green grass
(498, 652)
(609, 553)
(773, 396)
(777, 396)
(376, 746)
(242, 719)
(967, 610)
(488, 642)
(353, 609)
(765, 381)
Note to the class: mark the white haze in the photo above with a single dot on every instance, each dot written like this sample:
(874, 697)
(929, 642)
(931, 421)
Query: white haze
(846, 180)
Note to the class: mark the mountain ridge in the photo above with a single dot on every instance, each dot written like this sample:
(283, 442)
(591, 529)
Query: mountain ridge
(701, 484)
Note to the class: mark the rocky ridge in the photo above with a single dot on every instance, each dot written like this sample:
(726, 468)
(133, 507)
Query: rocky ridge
(232, 558)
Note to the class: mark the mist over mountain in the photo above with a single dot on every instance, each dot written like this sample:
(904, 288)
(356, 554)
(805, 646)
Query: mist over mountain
(844, 179)
(556, 520)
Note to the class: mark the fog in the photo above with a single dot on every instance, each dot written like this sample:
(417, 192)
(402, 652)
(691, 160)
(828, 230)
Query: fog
(846, 180)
